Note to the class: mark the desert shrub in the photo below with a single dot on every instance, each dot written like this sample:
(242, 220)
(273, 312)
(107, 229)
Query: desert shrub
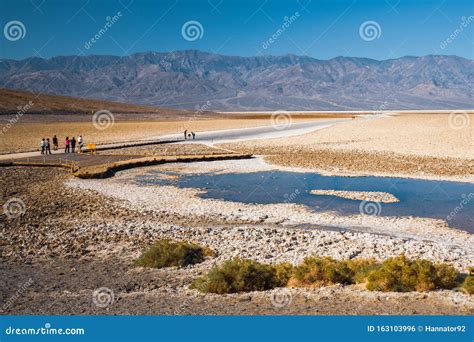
(316, 271)
(447, 277)
(468, 284)
(165, 253)
(361, 268)
(284, 272)
(402, 275)
(240, 275)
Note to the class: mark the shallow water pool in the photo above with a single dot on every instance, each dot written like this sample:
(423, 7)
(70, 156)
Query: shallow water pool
(450, 201)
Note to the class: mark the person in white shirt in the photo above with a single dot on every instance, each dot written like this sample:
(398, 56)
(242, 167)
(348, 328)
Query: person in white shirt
(80, 141)
(42, 145)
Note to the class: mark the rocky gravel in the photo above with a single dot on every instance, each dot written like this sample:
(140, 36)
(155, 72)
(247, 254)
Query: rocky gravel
(186, 202)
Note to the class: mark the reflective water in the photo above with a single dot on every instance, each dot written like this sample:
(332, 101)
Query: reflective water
(450, 201)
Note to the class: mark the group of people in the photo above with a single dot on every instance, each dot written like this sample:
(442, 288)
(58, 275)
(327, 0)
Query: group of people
(69, 144)
(189, 135)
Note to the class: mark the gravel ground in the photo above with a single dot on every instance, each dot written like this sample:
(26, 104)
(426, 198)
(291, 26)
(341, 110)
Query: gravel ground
(76, 238)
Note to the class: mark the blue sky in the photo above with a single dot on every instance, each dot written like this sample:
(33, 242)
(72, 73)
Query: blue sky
(320, 29)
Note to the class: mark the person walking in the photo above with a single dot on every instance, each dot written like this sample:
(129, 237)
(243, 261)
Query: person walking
(80, 141)
(194, 135)
(55, 143)
(185, 134)
(73, 145)
(67, 142)
(47, 147)
(42, 145)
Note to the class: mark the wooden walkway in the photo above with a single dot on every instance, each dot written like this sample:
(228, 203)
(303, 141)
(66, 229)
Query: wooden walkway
(86, 165)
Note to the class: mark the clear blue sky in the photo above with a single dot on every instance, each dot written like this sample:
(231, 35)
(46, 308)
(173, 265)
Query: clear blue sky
(323, 29)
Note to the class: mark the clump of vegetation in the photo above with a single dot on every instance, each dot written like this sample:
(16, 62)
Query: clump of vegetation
(400, 274)
(361, 269)
(468, 284)
(284, 272)
(165, 253)
(397, 274)
(317, 271)
(241, 275)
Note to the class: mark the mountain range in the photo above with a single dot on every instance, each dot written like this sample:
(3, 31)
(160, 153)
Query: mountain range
(194, 79)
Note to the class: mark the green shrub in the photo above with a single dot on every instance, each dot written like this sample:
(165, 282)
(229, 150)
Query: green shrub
(468, 284)
(240, 275)
(284, 272)
(165, 253)
(402, 275)
(447, 276)
(317, 271)
(361, 269)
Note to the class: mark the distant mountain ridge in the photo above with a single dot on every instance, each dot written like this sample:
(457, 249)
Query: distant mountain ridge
(190, 78)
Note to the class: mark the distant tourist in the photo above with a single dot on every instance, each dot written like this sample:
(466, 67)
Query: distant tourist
(185, 134)
(189, 135)
(67, 148)
(55, 143)
(80, 141)
(73, 145)
(194, 135)
(47, 147)
(42, 144)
